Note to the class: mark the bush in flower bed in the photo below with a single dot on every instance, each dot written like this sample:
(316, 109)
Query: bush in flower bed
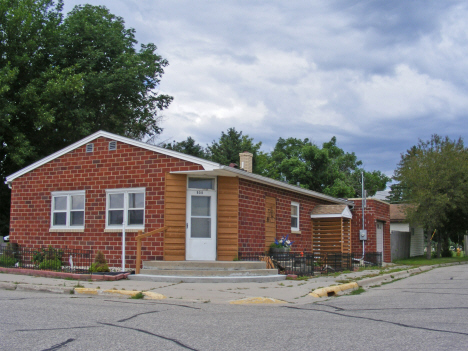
(6, 261)
(99, 264)
(51, 264)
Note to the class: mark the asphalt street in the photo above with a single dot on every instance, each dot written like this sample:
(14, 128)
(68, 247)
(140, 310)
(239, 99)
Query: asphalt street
(427, 311)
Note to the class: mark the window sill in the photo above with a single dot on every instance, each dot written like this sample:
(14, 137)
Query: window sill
(66, 230)
(296, 232)
(127, 230)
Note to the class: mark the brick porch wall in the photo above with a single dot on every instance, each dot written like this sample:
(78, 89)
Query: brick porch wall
(127, 167)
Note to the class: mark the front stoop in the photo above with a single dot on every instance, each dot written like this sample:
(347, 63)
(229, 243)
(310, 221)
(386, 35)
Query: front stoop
(207, 271)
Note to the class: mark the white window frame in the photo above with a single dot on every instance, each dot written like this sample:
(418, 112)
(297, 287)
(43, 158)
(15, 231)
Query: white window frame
(296, 204)
(125, 192)
(68, 210)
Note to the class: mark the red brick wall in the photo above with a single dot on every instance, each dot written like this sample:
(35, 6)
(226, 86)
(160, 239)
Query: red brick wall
(375, 211)
(127, 167)
(252, 217)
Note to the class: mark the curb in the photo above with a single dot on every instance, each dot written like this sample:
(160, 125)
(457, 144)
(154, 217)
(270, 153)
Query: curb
(377, 280)
(63, 275)
(125, 293)
(256, 300)
(333, 290)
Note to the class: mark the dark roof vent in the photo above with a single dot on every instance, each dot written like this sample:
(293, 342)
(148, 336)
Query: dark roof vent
(90, 147)
(112, 145)
(233, 165)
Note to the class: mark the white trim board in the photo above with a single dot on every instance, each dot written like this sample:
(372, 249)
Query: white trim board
(208, 165)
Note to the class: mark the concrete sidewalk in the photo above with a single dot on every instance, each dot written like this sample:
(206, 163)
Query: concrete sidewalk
(287, 291)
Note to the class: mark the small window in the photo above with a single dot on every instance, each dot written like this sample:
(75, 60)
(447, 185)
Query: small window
(125, 206)
(294, 216)
(112, 145)
(201, 183)
(89, 147)
(68, 210)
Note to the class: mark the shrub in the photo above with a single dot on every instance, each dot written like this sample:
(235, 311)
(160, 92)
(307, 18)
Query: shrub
(52, 264)
(6, 261)
(47, 254)
(99, 264)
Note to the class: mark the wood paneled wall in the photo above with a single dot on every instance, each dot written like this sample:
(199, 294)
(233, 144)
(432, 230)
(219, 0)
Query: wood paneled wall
(331, 235)
(175, 199)
(228, 218)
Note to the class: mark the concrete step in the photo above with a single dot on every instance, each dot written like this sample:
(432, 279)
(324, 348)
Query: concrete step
(209, 272)
(212, 279)
(203, 265)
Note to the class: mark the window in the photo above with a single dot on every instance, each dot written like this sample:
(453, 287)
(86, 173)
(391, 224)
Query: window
(201, 183)
(125, 205)
(68, 209)
(294, 216)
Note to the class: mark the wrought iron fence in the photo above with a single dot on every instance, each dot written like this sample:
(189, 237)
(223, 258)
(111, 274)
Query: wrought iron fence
(309, 264)
(46, 258)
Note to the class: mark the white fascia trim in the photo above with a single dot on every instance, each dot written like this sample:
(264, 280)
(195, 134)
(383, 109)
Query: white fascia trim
(345, 214)
(207, 165)
(230, 172)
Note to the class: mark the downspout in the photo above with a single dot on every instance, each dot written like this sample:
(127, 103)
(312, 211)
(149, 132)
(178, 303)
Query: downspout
(363, 206)
(123, 246)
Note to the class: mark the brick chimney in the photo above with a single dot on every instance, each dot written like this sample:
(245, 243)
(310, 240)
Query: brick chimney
(246, 161)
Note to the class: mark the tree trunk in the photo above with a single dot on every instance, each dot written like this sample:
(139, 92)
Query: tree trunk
(439, 244)
(429, 245)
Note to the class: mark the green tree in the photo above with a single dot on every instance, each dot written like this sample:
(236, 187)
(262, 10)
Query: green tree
(188, 147)
(63, 79)
(329, 169)
(230, 145)
(434, 174)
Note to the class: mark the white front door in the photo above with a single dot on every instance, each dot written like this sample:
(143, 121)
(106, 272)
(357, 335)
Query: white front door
(201, 220)
(379, 237)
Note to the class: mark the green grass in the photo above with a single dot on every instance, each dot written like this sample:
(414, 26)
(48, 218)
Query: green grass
(358, 291)
(138, 295)
(423, 261)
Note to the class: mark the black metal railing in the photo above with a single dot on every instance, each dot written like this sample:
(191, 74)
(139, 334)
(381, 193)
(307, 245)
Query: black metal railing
(46, 258)
(309, 264)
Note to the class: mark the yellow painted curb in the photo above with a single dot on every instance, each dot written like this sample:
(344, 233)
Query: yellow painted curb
(333, 290)
(86, 291)
(153, 296)
(91, 291)
(255, 300)
(121, 292)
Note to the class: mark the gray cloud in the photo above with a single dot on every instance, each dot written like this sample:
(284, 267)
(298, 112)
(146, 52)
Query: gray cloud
(376, 74)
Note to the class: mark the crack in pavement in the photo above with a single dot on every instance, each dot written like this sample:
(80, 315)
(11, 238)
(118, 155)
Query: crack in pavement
(59, 346)
(136, 315)
(69, 328)
(380, 320)
(149, 333)
(155, 303)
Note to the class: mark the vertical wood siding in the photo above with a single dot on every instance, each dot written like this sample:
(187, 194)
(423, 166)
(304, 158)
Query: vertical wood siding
(228, 218)
(175, 199)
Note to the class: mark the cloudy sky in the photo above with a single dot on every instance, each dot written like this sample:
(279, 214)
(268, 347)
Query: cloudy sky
(378, 75)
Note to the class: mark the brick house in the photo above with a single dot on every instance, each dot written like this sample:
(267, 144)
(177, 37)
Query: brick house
(84, 195)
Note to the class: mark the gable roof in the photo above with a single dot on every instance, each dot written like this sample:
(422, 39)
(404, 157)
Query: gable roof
(210, 168)
(331, 211)
(204, 163)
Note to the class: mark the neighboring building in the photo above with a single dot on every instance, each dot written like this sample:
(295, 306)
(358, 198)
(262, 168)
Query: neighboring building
(377, 224)
(83, 196)
(399, 223)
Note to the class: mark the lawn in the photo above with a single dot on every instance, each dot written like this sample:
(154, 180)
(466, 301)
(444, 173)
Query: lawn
(423, 261)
